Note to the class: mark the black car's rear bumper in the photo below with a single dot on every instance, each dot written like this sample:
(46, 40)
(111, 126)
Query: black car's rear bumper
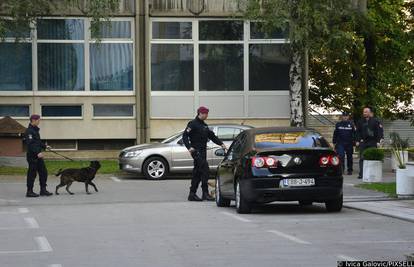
(264, 190)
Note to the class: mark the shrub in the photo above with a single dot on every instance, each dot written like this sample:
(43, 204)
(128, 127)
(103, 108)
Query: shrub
(373, 153)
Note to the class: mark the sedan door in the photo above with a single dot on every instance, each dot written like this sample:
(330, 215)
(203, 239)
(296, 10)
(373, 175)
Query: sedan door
(181, 160)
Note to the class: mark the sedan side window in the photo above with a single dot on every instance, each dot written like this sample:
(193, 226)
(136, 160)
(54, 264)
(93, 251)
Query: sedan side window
(227, 133)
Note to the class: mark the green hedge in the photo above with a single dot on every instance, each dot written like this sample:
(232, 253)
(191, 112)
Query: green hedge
(373, 154)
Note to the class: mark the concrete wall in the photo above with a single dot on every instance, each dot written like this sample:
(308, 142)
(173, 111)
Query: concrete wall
(11, 147)
(85, 128)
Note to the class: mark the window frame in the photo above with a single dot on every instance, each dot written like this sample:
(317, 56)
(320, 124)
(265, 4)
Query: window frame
(114, 117)
(62, 117)
(86, 42)
(197, 93)
(18, 117)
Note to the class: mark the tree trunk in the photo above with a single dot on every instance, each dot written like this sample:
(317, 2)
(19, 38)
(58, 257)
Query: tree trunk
(296, 104)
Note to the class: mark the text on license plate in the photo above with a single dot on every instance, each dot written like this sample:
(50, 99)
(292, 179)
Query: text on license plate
(299, 182)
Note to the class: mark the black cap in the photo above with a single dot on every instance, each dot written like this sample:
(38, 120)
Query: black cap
(345, 113)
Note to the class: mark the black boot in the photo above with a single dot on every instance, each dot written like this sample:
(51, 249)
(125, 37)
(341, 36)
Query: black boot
(349, 173)
(45, 193)
(30, 193)
(193, 197)
(206, 196)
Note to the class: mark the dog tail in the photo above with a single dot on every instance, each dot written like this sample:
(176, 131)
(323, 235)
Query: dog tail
(59, 172)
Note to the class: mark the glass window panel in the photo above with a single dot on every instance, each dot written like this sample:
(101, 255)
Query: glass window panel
(221, 30)
(269, 67)
(61, 111)
(14, 110)
(15, 66)
(111, 67)
(61, 67)
(15, 30)
(113, 110)
(256, 32)
(60, 29)
(221, 67)
(171, 30)
(172, 67)
(227, 133)
(114, 29)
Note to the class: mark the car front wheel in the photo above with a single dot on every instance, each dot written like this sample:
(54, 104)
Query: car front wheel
(334, 205)
(242, 205)
(220, 201)
(155, 168)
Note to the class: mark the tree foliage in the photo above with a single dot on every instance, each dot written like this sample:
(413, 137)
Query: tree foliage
(356, 59)
(21, 13)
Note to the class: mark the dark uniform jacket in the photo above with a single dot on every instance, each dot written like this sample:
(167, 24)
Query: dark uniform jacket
(197, 134)
(369, 131)
(33, 142)
(344, 133)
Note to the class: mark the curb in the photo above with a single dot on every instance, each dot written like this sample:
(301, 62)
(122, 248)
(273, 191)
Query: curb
(380, 213)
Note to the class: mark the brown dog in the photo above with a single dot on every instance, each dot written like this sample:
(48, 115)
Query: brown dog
(84, 175)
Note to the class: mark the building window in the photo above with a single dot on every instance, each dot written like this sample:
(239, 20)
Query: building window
(218, 30)
(113, 110)
(14, 110)
(62, 111)
(269, 66)
(257, 32)
(112, 58)
(172, 30)
(224, 62)
(15, 66)
(106, 144)
(61, 65)
(172, 67)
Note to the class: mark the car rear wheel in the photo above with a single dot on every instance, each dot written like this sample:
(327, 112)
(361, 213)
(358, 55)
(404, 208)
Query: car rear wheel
(155, 168)
(220, 201)
(242, 205)
(334, 205)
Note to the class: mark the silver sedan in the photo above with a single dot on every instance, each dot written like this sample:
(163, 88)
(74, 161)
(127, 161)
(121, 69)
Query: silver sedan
(157, 160)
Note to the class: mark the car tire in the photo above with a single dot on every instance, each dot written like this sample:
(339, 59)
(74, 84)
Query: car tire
(334, 205)
(155, 168)
(242, 205)
(220, 200)
(305, 203)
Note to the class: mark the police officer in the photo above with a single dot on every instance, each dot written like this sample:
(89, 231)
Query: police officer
(195, 138)
(35, 158)
(343, 139)
(370, 133)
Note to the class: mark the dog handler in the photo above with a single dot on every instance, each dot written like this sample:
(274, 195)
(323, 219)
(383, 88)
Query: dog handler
(195, 138)
(35, 158)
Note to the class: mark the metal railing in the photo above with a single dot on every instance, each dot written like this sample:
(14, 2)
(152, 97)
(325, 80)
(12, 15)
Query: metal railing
(320, 117)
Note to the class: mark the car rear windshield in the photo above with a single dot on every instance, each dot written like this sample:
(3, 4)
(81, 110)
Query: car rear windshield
(290, 140)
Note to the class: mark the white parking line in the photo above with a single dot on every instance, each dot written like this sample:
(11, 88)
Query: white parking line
(236, 217)
(55, 265)
(289, 237)
(31, 223)
(8, 200)
(43, 244)
(23, 210)
(115, 179)
(350, 184)
(346, 258)
(18, 211)
(377, 241)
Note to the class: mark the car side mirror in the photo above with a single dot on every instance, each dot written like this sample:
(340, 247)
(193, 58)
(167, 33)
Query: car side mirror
(220, 152)
(180, 142)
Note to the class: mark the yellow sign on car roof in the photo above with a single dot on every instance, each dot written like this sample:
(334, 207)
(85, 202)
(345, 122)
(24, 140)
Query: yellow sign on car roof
(282, 138)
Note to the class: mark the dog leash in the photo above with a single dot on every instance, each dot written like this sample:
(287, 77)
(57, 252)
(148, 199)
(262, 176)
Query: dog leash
(63, 156)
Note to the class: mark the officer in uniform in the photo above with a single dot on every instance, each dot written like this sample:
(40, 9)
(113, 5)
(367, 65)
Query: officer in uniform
(195, 138)
(35, 158)
(370, 133)
(343, 139)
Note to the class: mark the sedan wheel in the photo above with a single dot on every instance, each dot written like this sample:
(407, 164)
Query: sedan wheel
(220, 201)
(155, 168)
(242, 206)
(334, 205)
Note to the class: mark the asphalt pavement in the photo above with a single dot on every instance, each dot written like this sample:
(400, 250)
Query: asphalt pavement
(134, 222)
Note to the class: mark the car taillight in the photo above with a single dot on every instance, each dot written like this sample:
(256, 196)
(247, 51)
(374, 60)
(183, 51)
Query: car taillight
(264, 162)
(324, 161)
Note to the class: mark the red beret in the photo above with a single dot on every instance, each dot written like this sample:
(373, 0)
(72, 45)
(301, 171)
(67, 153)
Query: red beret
(202, 110)
(34, 117)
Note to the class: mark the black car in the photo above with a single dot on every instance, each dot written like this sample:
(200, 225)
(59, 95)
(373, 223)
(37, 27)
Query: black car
(279, 164)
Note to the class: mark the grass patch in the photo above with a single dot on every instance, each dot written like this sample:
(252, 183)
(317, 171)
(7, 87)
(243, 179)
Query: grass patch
(108, 167)
(388, 188)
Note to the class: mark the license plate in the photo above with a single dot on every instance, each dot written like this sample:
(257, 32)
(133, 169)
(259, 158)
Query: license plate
(299, 182)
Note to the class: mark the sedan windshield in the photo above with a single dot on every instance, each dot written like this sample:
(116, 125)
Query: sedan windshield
(171, 138)
(290, 140)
